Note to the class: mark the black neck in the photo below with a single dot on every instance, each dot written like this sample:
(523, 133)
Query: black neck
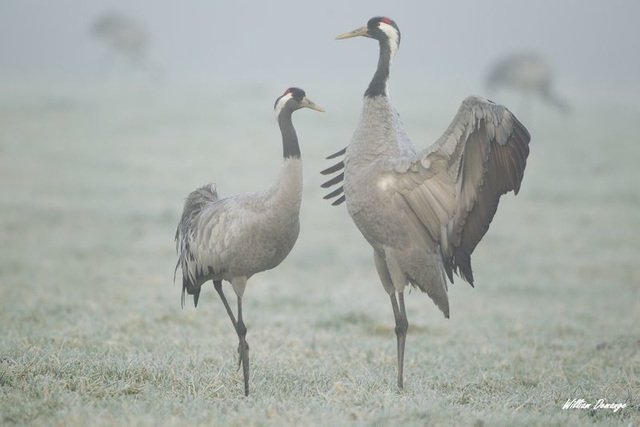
(378, 85)
(290, 147)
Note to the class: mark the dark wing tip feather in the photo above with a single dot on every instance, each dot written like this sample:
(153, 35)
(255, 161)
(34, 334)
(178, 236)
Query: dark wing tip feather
(337, 154)
(191, 288)
(196, 297)
(334, 168)
(336, 179)
(339, 201)
(333, 181)
(448, 267)
(334, 193)
(182, 297)
(462, 265)
(521, 139)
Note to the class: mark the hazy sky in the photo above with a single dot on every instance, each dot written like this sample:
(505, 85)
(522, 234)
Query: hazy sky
(589, 43)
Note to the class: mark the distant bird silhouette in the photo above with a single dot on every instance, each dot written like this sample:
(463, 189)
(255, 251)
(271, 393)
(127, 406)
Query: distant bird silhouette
(528, 74)
(424, 212)
(126, 38)
(234, 238)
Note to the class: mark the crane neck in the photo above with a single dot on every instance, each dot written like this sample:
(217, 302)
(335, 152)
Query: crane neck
(290, 147)
(379, 82)
(286, 192)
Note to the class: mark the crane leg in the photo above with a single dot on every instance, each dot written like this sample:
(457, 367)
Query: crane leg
(241, 330)
(218, 286)
(243, 347)
(402, 325)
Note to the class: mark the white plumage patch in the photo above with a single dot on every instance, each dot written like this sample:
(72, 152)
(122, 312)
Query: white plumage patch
(385, 182)
(394, 37)
(283, 100)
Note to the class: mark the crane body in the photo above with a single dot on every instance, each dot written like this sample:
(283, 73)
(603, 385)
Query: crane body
(232, 239)
(424, 212)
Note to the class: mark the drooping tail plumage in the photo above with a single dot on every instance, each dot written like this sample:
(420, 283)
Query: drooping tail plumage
(195, 202)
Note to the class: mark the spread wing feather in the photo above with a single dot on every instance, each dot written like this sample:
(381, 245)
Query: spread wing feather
(454, 186)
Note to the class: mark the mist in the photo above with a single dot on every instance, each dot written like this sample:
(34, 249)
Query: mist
(112, 112)
(590, 46)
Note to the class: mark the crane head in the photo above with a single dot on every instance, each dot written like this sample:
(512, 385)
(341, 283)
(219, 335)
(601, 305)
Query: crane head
(293, 99)
(380, 28)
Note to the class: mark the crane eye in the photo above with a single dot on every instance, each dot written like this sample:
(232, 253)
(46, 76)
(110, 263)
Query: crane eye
(287, 91)
(386, 21)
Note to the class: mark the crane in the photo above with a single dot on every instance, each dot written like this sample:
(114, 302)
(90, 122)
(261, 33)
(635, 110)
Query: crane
(125, 37)
(424, 212)
(232, 239)
(529, 74)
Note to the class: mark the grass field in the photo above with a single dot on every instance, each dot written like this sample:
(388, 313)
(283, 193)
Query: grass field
(91, 187)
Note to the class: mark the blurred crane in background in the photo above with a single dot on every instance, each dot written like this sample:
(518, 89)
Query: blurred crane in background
(126, 39)
(528, 74)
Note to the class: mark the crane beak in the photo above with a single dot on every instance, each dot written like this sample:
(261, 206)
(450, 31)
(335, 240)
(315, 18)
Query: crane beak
(362, 31)
(306, 102)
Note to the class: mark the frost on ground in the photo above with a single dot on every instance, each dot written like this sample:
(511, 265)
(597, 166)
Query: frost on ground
(91, 185)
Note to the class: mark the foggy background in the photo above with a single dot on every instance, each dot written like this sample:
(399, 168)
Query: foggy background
(97, 156)
(592, 46)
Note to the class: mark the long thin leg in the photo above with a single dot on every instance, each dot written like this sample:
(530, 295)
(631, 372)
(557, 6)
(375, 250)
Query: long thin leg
(218, 286)
(402, 325)
(241, 330)
(243, 347)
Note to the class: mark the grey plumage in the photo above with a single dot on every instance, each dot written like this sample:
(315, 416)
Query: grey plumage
(528, 73)
(196, 275)
(424, 212)
(127, 40)
(232, 239)
(122, 33)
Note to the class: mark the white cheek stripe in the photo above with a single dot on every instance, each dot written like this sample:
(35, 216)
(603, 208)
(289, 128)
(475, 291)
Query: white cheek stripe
(392, 33)
(281, 103)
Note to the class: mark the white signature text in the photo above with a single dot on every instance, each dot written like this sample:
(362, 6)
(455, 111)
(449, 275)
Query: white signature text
(600, 404)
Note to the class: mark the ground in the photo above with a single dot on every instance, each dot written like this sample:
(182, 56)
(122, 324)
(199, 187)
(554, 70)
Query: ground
(91, 187)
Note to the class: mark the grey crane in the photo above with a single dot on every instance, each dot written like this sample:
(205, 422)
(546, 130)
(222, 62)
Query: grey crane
(424, 212)
(529, 74)
(125, 37)
(234, 238)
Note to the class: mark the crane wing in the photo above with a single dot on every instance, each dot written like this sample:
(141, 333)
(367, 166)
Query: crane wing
(194, 204)
(454, 186)
(336, 180)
